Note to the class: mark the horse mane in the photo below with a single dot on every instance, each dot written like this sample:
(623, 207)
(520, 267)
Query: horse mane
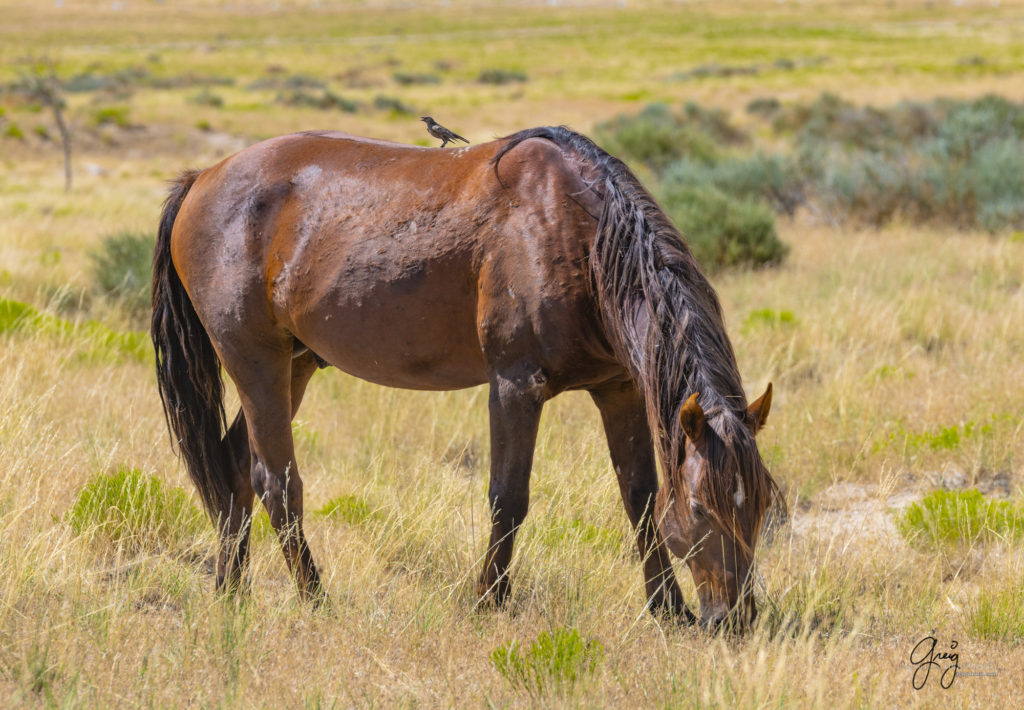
(665, 323)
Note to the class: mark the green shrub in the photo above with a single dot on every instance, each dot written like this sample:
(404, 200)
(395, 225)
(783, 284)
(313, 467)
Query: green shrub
(721, 231)
(394, 105)
(771, 178)
(766, 106)
(14, 131)
(349, 508)
(205, 97)
(412, 79)
(656, 137)
(983, 188)
(499, 77)
(116, 115)
(323, 100)
(555, 662)
(868, 187)
(705, 71)
(944, 517)
(295, 82)
(135, 510)
(122, 268)
(954, 162)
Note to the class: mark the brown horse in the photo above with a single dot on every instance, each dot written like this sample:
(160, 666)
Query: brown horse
(536, 264)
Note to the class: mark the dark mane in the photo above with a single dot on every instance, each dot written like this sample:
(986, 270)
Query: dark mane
(666, 324)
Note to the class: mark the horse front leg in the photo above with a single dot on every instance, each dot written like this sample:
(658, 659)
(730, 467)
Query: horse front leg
(632, 453)
(515, 410)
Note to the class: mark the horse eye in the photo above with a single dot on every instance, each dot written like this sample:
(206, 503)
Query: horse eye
(698, 509)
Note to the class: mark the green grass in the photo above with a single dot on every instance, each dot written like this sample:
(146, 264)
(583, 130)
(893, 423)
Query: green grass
(349, 508)
(114, 115)
(769, 318)
(579, 532)
(93, 340)
(998, 615)
(131, 509)
(553, 663)
(953, 517)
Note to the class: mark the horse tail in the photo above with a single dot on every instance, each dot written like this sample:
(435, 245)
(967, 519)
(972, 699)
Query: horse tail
(188, 369)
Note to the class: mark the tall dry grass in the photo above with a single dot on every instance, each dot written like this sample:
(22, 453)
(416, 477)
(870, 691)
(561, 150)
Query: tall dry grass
(895, 354)
(877, 343)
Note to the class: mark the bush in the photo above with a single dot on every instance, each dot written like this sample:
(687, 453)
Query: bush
(759, 177)
(944, 517)
(135, 510)
(295, 82)
(348, 508)
(412, 79)
(977, 186)
(766, 107)
(869, 187)
(116, 115)
(499, 77)
(205, 97)
(324, 100)
(552, 663)
(122, 268)
(395, 106)
(722, 231)
(656, 137)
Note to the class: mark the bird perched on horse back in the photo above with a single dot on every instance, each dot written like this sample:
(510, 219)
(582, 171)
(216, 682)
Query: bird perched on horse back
(438, 131)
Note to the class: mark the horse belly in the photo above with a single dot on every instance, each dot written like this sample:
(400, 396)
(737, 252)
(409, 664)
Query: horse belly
(413, 328)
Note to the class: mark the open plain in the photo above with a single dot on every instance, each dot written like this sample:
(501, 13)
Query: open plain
(896, 353)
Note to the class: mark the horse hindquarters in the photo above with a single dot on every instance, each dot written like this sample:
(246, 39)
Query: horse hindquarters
(191, 391)
(193, 340)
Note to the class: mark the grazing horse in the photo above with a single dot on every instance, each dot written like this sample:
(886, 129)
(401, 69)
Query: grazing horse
(535, 264)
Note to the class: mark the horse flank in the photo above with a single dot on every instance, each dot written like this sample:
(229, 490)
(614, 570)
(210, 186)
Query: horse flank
(665, 323)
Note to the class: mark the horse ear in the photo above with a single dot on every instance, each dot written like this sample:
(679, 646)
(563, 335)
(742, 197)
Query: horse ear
(757, 412)
(691, 419)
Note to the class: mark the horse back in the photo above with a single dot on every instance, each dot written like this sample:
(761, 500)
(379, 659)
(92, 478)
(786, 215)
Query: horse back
(407, 266)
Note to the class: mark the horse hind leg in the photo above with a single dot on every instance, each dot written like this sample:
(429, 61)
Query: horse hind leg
(632, 453)
(237, 517)
(265, 381)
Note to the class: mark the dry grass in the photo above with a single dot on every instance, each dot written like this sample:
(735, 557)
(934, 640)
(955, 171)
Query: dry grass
(895, 337)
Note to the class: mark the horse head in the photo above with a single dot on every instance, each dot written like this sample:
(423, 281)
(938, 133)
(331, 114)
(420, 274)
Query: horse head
(710, 513)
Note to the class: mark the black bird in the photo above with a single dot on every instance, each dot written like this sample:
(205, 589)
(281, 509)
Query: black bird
(438, 131)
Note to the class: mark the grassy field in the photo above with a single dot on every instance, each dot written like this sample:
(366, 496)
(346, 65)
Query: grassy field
(896, 356)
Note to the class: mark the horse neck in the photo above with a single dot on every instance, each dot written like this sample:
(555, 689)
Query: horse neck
(666, 325)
